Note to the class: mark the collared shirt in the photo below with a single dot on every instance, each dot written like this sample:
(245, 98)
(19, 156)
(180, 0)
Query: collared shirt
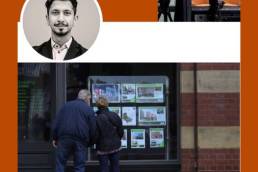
(58, 51)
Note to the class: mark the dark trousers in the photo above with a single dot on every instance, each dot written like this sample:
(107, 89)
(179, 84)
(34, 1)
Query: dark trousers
(67, 147)
(113, 159)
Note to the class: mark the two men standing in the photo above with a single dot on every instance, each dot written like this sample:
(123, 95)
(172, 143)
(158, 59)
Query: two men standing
(73, 131)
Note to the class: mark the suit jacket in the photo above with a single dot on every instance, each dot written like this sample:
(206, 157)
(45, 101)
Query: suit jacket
(74, 50)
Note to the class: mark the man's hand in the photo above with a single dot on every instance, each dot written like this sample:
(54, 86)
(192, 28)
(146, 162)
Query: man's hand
(54, 143)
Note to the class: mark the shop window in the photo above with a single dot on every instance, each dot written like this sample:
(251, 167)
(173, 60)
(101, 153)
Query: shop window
(34, 102)
(144, 96)
(141, 102)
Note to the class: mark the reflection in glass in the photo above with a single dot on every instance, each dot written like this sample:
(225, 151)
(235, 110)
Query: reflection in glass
(81, 75)
(34, 101)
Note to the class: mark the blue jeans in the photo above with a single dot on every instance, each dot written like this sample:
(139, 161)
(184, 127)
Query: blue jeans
(65, 148)
(113, 159)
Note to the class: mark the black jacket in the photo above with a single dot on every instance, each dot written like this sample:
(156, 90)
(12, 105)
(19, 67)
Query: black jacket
(109, 130)
(74, 50)
(75, 120)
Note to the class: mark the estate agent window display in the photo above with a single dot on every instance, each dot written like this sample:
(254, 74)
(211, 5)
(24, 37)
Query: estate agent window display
(142, 106)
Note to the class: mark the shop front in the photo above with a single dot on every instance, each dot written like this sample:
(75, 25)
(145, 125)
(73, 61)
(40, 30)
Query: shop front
(145, 96)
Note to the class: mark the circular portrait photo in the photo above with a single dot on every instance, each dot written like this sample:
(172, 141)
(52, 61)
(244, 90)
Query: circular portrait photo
(61, 29)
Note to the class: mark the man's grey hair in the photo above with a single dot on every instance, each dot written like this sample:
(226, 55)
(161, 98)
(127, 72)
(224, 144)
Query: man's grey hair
(83, 94)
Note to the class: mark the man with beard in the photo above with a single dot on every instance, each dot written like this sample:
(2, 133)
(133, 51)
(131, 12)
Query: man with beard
(61, 17)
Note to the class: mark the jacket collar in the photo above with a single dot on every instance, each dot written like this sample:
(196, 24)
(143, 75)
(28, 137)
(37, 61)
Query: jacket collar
(47, 50)
(101, 111)
(71, 53)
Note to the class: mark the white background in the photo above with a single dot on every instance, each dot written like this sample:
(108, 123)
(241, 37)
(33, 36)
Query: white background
(154, 42)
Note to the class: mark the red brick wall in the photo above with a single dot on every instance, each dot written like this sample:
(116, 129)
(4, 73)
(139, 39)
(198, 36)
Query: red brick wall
(214, 109)
(211, 160)
(187, 160)
(214, 160)
(220, 109)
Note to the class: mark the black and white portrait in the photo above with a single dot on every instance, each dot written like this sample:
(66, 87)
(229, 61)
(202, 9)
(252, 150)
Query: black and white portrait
(61, 29)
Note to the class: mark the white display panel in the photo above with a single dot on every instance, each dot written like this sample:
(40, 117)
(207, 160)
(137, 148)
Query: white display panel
(128, 93)
(152, 115)
(138, 138)
(149, 93)
(157, 138)
(129, 116)
(124, 139)
(110, 91)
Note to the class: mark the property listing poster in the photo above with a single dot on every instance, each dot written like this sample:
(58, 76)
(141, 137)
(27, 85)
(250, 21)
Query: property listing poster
(129, 116)
(124, 139)
(128, 93)
(110, 91)
(149, 93)
(138, 138)
(156, 137)
(152, 115)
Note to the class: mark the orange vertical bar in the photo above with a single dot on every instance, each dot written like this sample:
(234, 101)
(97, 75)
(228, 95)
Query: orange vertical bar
(10, 13)
(249, 86)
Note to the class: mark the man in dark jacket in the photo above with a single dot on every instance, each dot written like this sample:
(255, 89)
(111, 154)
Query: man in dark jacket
(73, 128)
